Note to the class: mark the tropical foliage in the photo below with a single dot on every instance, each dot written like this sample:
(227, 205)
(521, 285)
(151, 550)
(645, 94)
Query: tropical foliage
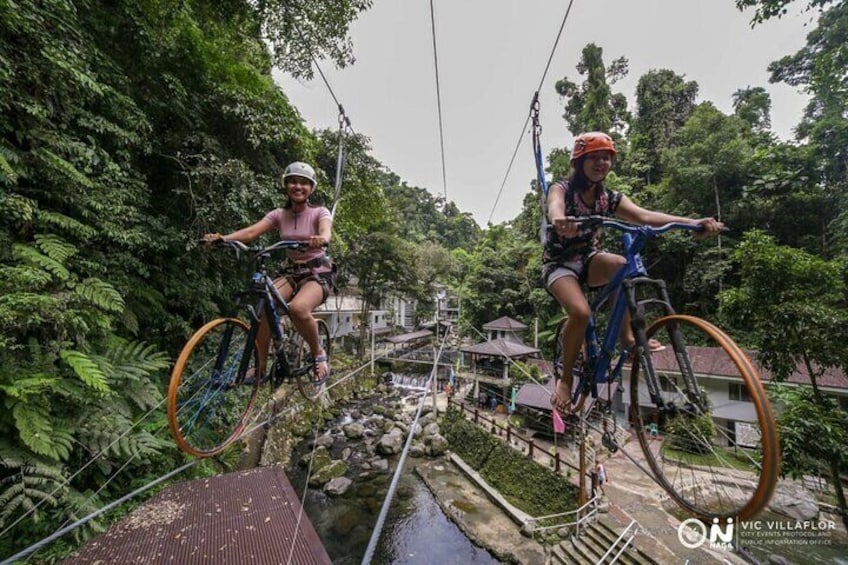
(128, 129)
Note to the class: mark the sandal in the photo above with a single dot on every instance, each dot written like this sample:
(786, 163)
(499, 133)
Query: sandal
(564, 408)
(316, 363)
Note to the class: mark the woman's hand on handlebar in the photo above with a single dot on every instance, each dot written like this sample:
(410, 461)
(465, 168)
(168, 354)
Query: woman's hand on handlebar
(710, 227)
(317, 241)
(210, 239)
(565, 226)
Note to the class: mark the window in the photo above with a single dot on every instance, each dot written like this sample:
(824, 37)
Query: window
(738, 391)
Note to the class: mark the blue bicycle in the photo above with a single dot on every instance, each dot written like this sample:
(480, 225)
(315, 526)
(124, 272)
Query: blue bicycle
(215, 381)
(696, 405)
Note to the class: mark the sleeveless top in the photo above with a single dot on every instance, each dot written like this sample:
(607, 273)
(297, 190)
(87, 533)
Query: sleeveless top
(299, 226)
(562, 250)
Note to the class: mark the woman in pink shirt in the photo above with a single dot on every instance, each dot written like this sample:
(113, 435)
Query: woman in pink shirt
(309, 274)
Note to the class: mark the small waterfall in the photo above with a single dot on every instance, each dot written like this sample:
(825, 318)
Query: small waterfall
(416, 382)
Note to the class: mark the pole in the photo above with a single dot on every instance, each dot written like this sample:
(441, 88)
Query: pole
(372, 343)
(581, 492)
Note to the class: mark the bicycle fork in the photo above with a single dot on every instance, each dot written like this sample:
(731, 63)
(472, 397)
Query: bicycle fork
(695, 402)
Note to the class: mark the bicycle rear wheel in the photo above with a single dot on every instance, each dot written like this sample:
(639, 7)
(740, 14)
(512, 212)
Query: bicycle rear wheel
(700, 429)
(302, 363)
(209, 397)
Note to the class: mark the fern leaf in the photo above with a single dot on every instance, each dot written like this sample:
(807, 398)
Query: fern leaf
(55, 247)
(30, 385)
(35, 430)
(24, 276)
(17, 208)
(86, 369)
(30, 255)
(27, 483)
(63, 167)
(66, 223)
(8, 175)
(101, 294)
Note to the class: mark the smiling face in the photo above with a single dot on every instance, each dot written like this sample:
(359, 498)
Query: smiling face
(597, 165)
(298, 188)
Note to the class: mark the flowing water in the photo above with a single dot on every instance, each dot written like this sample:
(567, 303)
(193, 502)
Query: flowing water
(415, 530)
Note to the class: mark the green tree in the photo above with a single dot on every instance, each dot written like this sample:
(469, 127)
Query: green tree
(592, 106)
(791, 306)
(753, 105)
(664, 101)
(813, 436)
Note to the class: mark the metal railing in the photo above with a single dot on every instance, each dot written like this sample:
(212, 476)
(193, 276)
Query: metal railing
(531, 524)
(632, 525)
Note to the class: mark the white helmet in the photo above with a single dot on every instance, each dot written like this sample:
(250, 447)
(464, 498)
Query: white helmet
(300, 169)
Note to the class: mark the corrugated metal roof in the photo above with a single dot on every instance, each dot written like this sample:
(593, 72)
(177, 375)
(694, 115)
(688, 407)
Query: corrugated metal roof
(504, 323)
(403, 338)
(501, 348)
(245, 517)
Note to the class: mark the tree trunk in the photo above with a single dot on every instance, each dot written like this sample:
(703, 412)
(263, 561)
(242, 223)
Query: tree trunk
(840, 494)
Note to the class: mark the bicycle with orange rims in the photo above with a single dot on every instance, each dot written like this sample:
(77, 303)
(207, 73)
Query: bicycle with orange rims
(691, 441)
(215, 382)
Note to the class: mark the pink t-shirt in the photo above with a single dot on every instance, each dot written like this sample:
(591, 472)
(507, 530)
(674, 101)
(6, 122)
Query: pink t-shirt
(299, 226)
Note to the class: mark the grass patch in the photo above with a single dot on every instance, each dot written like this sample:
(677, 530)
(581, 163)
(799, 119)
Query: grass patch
(723, 457)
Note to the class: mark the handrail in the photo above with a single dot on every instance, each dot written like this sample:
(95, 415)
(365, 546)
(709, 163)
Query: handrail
(618, 539)
(530, 526)
(477, 416)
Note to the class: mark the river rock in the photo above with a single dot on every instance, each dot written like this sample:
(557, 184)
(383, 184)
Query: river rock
(379, 464)
(354, 430)
(438, 445)
(337, 486)
(431, 429)
(320, 458)
(327, 473)
(418, 449)
(793, 500)
(390, 443)
(325, 440)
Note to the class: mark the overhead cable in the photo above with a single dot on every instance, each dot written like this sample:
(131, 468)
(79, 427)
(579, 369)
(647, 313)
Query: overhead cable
(526, 121)
(439, 102)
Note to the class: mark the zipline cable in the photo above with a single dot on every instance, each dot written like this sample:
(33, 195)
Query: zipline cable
(538, 89)
(439, 102)
(384, 510)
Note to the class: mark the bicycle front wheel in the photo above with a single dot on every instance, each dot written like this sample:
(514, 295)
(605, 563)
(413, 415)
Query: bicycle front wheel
(303, 366)
(703, 420)
(212, 393)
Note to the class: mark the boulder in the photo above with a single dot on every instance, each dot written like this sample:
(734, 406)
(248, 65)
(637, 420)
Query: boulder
(337, 486)
(791, 499)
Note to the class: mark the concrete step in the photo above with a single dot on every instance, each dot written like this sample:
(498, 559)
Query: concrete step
(593, 544)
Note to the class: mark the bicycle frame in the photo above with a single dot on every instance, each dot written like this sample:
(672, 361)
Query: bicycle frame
(270, 302)
(625, 281)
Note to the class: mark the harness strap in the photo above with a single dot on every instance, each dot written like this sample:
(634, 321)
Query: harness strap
(540, 169)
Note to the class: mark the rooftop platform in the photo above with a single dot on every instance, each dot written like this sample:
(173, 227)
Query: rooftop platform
(246, 517)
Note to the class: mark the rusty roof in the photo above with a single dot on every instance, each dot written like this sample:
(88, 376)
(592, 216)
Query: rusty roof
(501, 348)
(244, 517)
(403, 338)
(505, 323)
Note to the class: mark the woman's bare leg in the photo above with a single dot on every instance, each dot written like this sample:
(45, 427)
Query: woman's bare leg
(308, 297)
(570, 296)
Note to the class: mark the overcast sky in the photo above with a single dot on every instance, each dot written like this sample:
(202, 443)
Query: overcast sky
(492, 54)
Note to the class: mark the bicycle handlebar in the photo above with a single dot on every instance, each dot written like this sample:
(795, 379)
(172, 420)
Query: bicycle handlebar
(282, 244)
(649, 231)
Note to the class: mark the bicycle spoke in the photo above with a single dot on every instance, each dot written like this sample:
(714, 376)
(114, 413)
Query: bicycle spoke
(696, 455)
(209, 402)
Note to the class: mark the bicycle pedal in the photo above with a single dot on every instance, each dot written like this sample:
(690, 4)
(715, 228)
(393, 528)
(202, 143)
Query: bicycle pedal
(609, 442)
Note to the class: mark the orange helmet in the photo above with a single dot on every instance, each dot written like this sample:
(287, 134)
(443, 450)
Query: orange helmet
(590, 142)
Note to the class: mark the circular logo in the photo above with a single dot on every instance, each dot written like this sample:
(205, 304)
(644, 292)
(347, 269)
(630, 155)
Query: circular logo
(692, 533)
